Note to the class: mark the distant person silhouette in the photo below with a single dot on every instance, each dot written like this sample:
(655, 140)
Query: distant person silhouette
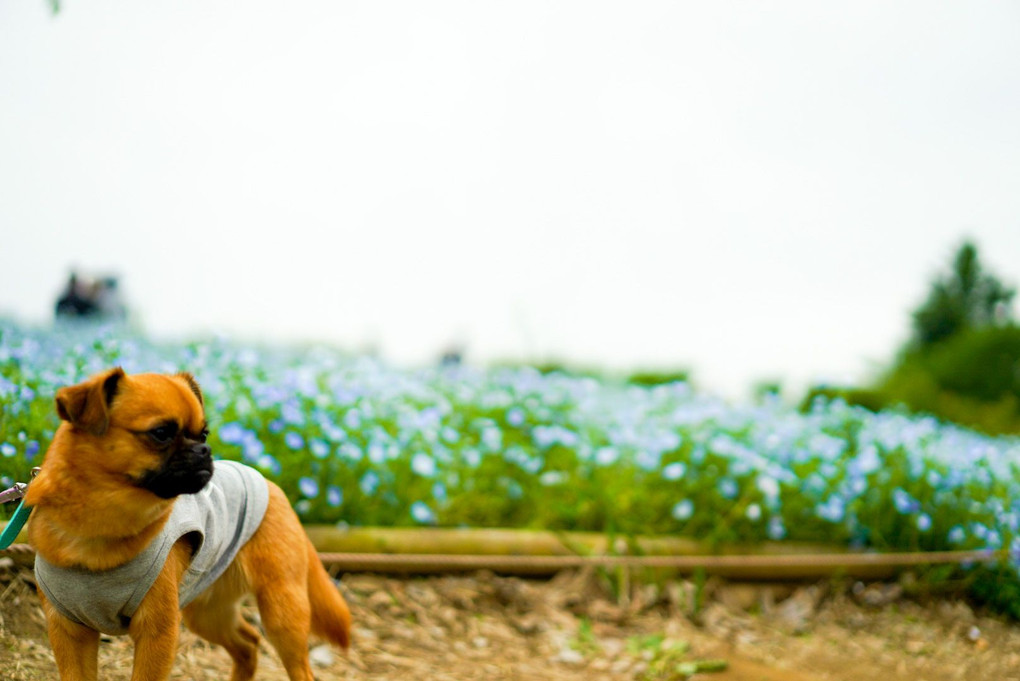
(76, 300)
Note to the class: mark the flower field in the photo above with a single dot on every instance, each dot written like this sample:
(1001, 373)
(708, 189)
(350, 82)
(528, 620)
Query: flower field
(355, 441)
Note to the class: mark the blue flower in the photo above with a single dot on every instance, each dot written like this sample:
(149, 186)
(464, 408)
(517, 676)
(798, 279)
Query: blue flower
(683, 510)
(606, 456)
(293, 440)
(472, 457)
(232, 433)
(269, 462)
(776, 529)
(753, 513)
(376, 453)
(352, 419)
(349, 450)
(552, 478)
(422, 513)
(439, 492)
(674, 471)
(319, 448)
(423, 464)
(369, 483)
(924, 522)
(31, 449)
(492, 439)
(334, 496)
(8, 450)
(728, 488)
(309, 487)
(905, 503)
(833, 510)
(291, 413)
(252, 449)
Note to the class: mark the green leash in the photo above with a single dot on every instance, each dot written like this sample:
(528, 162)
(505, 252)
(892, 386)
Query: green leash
(14, 525)
(21, 513)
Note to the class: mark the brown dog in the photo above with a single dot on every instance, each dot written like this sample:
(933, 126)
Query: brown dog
(126, 466)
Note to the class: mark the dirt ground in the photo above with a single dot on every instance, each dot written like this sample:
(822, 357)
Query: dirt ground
(483, 626)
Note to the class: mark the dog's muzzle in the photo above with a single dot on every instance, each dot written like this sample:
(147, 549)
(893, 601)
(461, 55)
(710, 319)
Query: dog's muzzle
(187, 471)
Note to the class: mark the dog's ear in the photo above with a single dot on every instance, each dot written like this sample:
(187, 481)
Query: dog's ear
(86, 406)
(193, 384)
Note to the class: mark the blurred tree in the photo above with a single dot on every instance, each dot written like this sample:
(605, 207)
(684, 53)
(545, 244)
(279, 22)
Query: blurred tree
(962, 363)
(966, 298)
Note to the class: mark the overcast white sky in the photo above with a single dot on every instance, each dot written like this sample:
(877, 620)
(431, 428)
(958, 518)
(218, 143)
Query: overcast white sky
(750, 190)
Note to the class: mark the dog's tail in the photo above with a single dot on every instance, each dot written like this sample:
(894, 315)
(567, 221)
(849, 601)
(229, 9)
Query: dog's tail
(331, 618)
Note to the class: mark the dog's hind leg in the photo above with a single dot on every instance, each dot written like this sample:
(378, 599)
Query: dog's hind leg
(216, 617)
(275, 561)
(286, 620)
(228, 629)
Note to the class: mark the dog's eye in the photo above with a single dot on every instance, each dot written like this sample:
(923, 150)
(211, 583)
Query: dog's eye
(203, 435)
(163, 434)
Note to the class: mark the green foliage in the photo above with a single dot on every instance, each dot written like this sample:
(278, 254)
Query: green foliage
(972, 378)
(351, 440)
(962, 363)
(871, 399)
(966, 298)
(654, 378)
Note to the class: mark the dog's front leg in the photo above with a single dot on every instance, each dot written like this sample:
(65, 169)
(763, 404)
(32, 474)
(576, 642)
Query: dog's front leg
(155, 647)
(75, 647)
(156, 624)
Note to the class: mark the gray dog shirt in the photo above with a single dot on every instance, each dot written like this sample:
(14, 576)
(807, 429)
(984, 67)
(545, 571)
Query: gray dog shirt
(221, 518)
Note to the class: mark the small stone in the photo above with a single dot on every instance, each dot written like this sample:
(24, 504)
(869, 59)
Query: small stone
(570, 656)
(321, 656)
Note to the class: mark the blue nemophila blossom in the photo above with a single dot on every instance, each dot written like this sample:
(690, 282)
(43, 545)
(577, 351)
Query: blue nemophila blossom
(513, 446)
(423, 464)
(776, 528)
(293, 440)
(269, 463)
(349, 451)
(904, 502)
(369, 482)
(439, 492)
(251, 448)
(309, 487)
(232, 433)
(833, 509)
(683, 510)
(319, 448)
(728, 488)
(606, 456)
(753, 513)
(674, 471)
(422, 513)
(552, 478)
(292, 413)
